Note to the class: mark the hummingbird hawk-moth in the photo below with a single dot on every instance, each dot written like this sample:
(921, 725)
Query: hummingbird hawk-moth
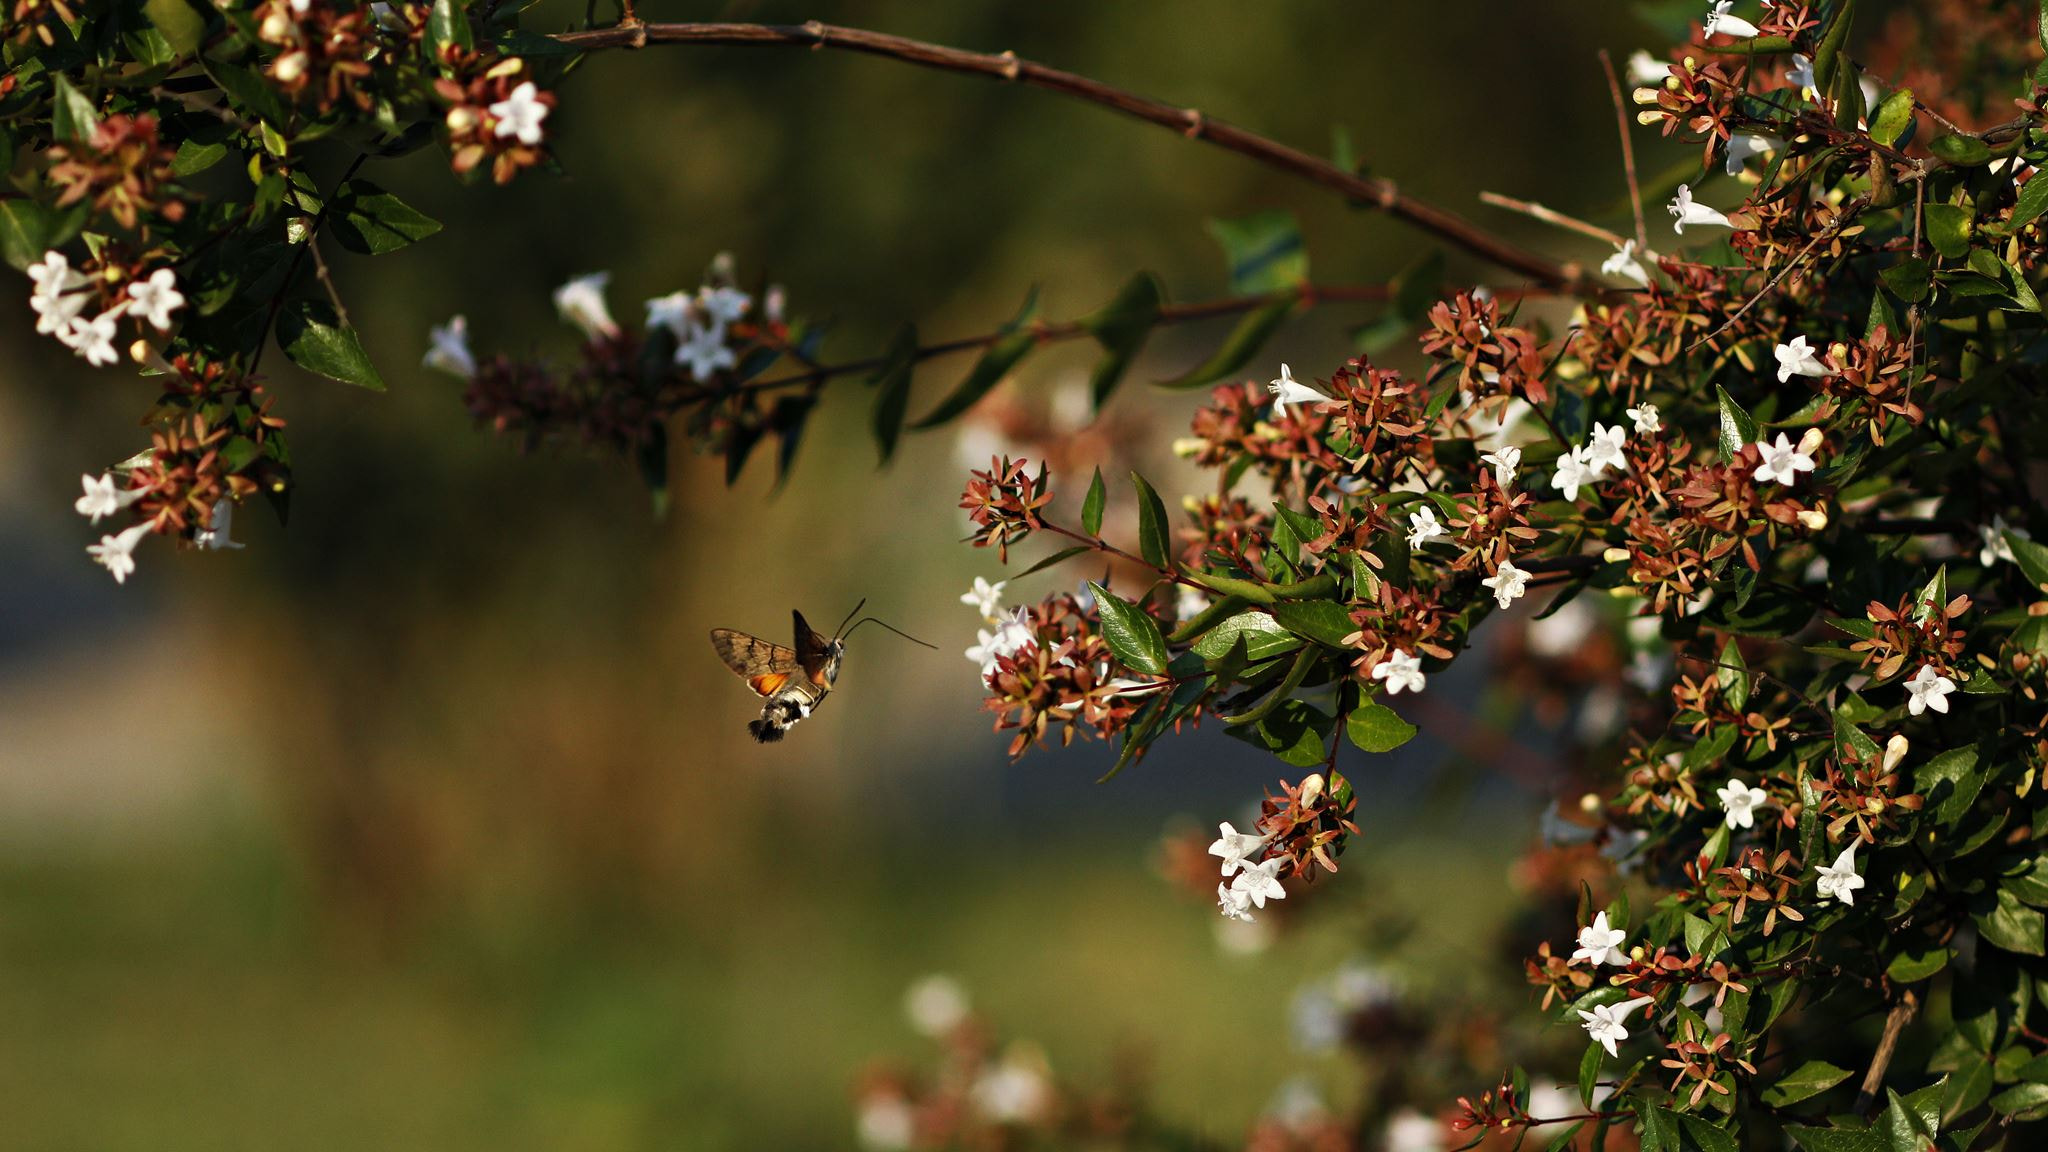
(793, 681)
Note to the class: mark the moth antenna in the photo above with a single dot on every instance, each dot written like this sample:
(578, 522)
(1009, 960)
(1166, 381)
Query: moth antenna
(841, 633)
(892, 628)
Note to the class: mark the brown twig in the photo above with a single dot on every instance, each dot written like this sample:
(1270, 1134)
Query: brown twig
(291, 273)
(1894, 1023)
(1368, 191)
(1628, 151)
(1552, 216)
(1770, 285)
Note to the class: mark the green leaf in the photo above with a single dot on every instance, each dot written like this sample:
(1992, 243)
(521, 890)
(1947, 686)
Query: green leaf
(1059, 557)
(318, 340)
(246, 89)
(1704, 1135)
(367, 219)
(1374, 727)
(1010, 346)
(1738, 429)
(892, 390)
(1121, 327)
(1416, 290)
(1828, 56)
(1732, 673)
(1909, 278)
(182, 27)
(2032, 557)
(1589, 1074)
(1893, 117)
(448, 24)
(1244, 342)
(1949, 783)
(2022, 1101)
(1323, 621)
(1912, 967)
(1264, 251)
(1805, 1082)
(2032, 202)
(1262, 636)
(1131, 632)
(26, 229)
(1838, 1139)
(1966, 1088)
(652, 459)
(1293, 731)
(71, 116)
(1091, 506)
(194, 157)
(1948, 229)
(2011, 925)
(1155, 541)
(1962, 151)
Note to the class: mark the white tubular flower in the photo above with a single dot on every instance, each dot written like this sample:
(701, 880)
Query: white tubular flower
(1509, 583)
(1746, 145)
(1720, 22)
(705, 352)
(520, 114)
(1646, 419)
(986, 598)
(1690, 211)
(1236, 848)
(1012, 635)
(1504, 462)
(723, 305)
(674, 312)
(1645, 69)
(1423, 527)
(1798, 359)
(1600, 944)
(1604, 448)
(1260, 881)
(117, 553)
(1604, 1023)
(1739, 803)
(1401, 671)
(55, 298)
(1783, 461)
(156, 298)
(1800, 76)
(1624, 266)
(1839, 880)
(93, 340)
(1996, 546)
(1287, 391)
(215, 536)
(103, 498)
(450, 352)
(581, 302)
(1235, 905)
(1928, 689)
(1573, 473)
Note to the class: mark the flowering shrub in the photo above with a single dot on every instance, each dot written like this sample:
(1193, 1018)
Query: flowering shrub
(1773, 469)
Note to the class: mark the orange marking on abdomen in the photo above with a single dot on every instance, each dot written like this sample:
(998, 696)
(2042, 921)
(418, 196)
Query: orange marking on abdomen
(766, 685)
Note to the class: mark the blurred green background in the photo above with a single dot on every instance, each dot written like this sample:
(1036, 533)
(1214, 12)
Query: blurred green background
(431, 822)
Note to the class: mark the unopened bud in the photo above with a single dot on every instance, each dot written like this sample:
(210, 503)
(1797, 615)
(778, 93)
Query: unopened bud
(462, 119)
(1589, 803)
(1311, 788)
(1895, 751)
(1191, 506)
(290, 67)
(1636, 953)
(1814, 519)
(1649, 117)
(1811, 441)
(1645, 95)
(509, 66)
(1189, 447)
(1614, 555)
(276, 26)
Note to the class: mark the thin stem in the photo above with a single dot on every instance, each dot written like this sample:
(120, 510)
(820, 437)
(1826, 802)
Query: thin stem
(291, 274)
(1628, 151)
(1367, 191)
(1894, 1023)
(1551, 216)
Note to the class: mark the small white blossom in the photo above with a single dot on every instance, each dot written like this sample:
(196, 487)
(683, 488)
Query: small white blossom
(723, 305)
(1573, 473)
(1401, 671)
(1604, 1023)
(1644, 68)
(1604, 448)
(1646, 419)
(1996, 546)
(1234, 904)
(1783, 460)
(94, 339)
(1508, 583)
(581, 302)
(103, 498)
(1287, 391)
(157, 297)
(1718, 20)
(1423, 527)
(215, 536)
(1928, 689)
(986, 598)
(674, 312)
(520, 114)
(1011, 636)
(887, 1123)
(1504, 462)
(1600, 943)
(1800, 76)
(1260, 881)
(935, 1005)
(1623, 265)
(1235, 847)
(1013, 1092)
(776, 304)
(705, 352)
(1798, 359)
(1690, 211)
(117, 553)
(1742, 147)
(1839, 880)
(1739, 803)
(55, 299)
(450, 352)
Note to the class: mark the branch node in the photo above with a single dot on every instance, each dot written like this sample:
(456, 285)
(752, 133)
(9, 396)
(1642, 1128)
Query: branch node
(816, 30)
(1389, 194)
(1197, 123)
(1012, 67)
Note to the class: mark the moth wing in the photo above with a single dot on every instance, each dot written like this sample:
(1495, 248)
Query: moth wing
(764, 666)
(811, 647)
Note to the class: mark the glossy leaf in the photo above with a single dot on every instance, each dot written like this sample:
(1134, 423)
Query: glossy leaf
(1155, 534)
(365, 218)
(1323, 621)
(318, 340)
(1374, 727)
(1092, 505)
(1737, 427)
(72, 117)
(1131, 633)
(1804, 1082)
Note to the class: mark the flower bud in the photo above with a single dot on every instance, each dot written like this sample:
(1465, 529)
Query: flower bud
(1811, 441)
(290, 67)
(462, 120)
(1311, 788)
(1189, 447)
(1814, 519)
(276, 26)
(1649, 117)
(1645, 95)
(1895, 751)
(1589, 803)
(1614, 555)
(509, 66)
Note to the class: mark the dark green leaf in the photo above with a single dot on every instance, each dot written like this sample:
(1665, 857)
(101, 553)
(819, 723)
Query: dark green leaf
(1838, 1139)
(246, 89)
(1059, 557)
(1374, 727)
(892, 395)
(1324, 621)
(367, 219)
(1244, 342)
(1704, 1135)
(1155, 534)
(1893, 117)
(1963, 151)
(72, 116)
(25, 232)
(1738, 429)
(1131, 632)
(2022, 1101)
(1262, 635)
(2011, 925)
(1912, 967)
(1589, 1073)
(1264, 251)
(183, 28)
(1908, 278)
(1948, 229)
(2032, 202)
(652, 458)
(318, 340)
(1293, 731)
(2032, 557)
(1092, 504)
(1805, 1082)
(193, 157)
(1732, 673)
(1949, 783)
(1827, 58)
(448, 24)
(1121, 327)
(1016, 339)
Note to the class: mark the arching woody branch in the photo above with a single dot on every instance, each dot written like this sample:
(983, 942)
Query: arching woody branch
(1368, 191)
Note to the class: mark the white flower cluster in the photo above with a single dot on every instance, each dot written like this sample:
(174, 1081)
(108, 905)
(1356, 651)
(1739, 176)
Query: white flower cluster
(59, 299)
(1012, 633)
(1251, 882)
(115, 552)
